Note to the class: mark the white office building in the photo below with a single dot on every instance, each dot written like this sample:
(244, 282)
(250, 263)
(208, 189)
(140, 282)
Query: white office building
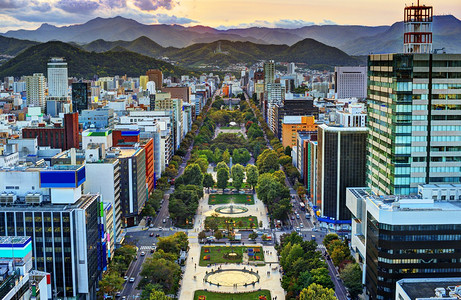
(35, 90)
(57, 78)
(350, 82)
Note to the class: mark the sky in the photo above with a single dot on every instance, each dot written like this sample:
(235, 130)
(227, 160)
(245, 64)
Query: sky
(221, 14)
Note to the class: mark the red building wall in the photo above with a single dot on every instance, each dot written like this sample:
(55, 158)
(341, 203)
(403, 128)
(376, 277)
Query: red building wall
(149, 150)
(119, 139)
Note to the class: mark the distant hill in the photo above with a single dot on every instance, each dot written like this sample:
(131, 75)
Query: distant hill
(353, 39)
(446, 34)
(84, 64)
(12, 46)
(306, 51)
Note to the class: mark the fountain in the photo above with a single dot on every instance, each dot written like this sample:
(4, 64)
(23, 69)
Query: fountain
(232, 277)
(231, 209)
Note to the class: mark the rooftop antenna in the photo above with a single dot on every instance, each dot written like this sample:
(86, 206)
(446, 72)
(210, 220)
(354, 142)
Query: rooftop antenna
(418, 29)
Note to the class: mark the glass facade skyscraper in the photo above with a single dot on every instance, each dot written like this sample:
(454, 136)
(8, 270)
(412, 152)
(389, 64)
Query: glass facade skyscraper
(414, 114)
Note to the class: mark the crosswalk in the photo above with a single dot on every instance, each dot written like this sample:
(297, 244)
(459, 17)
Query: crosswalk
(144, 248)
(321, 247)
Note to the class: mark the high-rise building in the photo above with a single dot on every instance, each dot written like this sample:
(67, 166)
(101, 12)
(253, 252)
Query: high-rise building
(269, 73)
(351, 82)
(291, 69)
(35, 90)
(413, 121)
(57, 78)
(48, 205)
(403, 237)
(155, 76)
(341, 161)
(179, 92)
(143, 82)
(81, 96)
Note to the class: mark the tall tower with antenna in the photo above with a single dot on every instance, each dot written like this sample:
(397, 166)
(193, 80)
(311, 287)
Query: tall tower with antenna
(418, 29)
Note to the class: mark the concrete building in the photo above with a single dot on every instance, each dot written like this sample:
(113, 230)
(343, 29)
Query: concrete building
(97, 136)
(57, 136)
(35, 90)
(414, 125)
(353, 115)
(143, 82)
(155, 76)
(179, 92)
(341, 161)
(269, 73)
(100, 118)
(292, 124)
(133, 195)
(350, 82)
(47, 204)
(17, 278)
(81, 96)
(57, 78)
(291, 69)
(402, 237)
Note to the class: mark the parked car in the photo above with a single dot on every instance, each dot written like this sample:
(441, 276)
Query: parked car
(151, 234)
(126, 278)
(301, 225)
(157, 235)
(164, 221)
(131, 279)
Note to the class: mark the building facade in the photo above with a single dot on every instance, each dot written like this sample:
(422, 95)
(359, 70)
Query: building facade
(351, 82)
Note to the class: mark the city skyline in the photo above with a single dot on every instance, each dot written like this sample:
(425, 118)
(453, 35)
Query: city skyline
(240, 14)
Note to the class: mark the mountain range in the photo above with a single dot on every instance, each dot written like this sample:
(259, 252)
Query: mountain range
(84, 64)
(354, 40)
(134, 58)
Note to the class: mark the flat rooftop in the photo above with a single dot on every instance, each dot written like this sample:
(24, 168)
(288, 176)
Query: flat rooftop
(422, 288)
(13, 240)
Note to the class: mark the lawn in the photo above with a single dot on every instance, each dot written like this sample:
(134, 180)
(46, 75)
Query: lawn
(230, 127)
(243, 296)
(215, 254)
(237, 222)
(231, 198)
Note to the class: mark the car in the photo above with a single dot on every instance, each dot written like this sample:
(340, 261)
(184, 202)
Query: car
(151, 225)
(157, 235)
(124, 298)
(143, 253)
(160, 228)
(118, 294)
(164, 221)
(151, 234)
(315, 229)
(259, 232)
(298, 229)
(297, 216)
(126, 278)
(313, 238)
(292, 217)
(131, 279)
(301, 225)
(308, 216)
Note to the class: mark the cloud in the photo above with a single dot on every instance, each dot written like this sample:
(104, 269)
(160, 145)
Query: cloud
(41, 7)
(286, 23)
(166, 19)
(77, 6)
(113, 3)
(5, 4)
(282, 23)
(154, 4)
(328, 22)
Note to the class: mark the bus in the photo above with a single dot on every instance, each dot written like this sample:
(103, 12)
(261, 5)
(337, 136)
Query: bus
(303, 207)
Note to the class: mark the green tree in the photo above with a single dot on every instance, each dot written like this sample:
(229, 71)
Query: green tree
(158, 295)
(322, 277)
(223, 178)
(301, 191)
(253, 236)
(163, 272)
(317, 292)
(329, 238)
(285, 159)
(267, 161)
(226, 156)
(192, 175)
(111, 283)
(222, 165)
(218, 234)
(252, 175)
(217, 155)
(203, 163)
(168, 244)
(238, 174)
(201, 235)
(208, 181)
(352, 278)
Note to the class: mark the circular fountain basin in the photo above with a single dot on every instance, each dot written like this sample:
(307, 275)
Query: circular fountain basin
(232, 277)
(231, 210)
